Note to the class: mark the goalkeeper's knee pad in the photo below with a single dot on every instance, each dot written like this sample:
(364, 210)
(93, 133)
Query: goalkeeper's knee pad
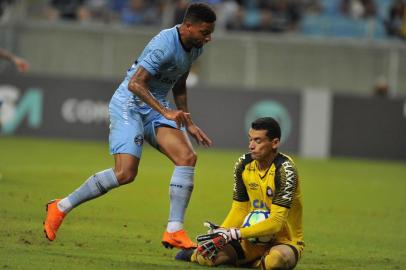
(274, 260)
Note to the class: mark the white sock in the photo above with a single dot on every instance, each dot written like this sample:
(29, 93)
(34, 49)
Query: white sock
(174, 226)
(64, 205)
(180, 190)
(95, 186)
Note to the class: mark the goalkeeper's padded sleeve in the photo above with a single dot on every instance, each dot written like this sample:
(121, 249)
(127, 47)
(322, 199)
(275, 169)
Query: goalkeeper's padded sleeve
(236, 215)
(269, 226)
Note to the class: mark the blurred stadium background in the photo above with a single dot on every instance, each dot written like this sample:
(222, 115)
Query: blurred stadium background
(331, 71)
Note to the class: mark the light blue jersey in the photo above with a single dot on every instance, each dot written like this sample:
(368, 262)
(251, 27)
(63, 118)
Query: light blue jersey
(166, 60)
(132, 120)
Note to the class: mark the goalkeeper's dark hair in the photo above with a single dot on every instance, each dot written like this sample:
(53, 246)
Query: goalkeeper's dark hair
(199, 12)
(270, 125)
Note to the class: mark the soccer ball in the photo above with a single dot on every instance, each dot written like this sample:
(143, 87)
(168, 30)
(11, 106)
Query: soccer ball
(254, 217)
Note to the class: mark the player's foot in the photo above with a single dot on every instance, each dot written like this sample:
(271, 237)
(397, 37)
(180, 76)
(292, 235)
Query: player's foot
(185, 255)
(178, 239)
(53, 220)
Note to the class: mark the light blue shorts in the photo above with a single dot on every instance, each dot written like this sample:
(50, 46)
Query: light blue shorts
(129, 127)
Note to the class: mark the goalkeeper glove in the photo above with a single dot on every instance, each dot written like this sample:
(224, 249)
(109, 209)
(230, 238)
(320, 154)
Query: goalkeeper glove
(211, 226)
(210, 248)
(209, 245)
(232, 234)
(215, 230)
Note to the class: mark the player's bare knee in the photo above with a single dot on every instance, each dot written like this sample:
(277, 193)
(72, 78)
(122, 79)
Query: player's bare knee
(275, 260)
(188, 159)
(125, 176)
(191, 159)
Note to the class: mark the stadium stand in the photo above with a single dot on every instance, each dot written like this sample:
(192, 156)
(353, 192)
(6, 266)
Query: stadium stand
(315, 18)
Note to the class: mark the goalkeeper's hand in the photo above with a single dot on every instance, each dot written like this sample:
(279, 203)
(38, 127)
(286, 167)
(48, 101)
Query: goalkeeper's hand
(209, 249)
(210, 244)
(232, 234)
(211, 226)
(215, 230)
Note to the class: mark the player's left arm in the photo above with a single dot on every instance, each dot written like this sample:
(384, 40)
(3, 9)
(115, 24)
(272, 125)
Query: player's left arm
(180, 93)
(286, 180)
(268, 227)
(180, 97)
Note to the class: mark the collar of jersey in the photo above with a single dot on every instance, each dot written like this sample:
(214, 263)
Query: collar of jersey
(260, 171)
(180, 40)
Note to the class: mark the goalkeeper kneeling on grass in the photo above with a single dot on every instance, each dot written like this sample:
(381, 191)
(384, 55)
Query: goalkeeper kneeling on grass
(264, 226)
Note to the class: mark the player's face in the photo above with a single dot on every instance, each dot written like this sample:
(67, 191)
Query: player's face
(260, 146)
(199, 33)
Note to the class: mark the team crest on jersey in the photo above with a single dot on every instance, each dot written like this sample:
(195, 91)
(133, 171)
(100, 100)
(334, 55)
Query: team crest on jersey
(269, 192)
(139, 140)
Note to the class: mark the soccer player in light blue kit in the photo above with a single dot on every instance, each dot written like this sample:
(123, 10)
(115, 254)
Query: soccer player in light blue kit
(139, 111)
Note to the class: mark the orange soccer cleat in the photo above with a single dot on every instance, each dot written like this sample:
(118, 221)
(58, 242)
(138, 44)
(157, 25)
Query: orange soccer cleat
(53, 220)
(178, 239)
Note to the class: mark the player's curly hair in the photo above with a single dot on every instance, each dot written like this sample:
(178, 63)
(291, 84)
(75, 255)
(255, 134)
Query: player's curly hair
(200, 12)
(270, 125)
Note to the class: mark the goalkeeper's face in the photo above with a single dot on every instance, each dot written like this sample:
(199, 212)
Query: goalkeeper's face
(261, 147)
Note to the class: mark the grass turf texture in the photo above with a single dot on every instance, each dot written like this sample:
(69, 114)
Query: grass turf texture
(354, 209)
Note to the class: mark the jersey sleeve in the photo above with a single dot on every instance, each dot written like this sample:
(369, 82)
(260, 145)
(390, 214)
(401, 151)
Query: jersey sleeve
(269, 226)
(236, 215)
(286, 180)
(158, 55)
(240, 193)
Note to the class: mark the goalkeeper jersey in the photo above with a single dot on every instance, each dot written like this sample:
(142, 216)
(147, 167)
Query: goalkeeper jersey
(276, 189)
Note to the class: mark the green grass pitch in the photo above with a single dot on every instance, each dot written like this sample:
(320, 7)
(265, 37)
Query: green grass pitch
(355, 210)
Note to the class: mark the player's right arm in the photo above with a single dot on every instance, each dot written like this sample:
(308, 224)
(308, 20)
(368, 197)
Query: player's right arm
(139, 86)
(236, 215)
(241, 204)
(21, 64)
(159, 54)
